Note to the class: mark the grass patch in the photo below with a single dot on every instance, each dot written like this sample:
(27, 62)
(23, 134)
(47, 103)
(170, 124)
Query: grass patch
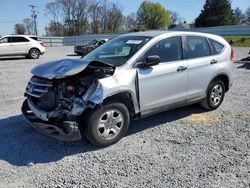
(239, 41)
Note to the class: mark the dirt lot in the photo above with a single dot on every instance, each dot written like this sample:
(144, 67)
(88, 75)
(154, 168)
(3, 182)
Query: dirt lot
(186, 147)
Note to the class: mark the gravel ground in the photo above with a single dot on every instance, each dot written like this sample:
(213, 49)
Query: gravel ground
(186, 147)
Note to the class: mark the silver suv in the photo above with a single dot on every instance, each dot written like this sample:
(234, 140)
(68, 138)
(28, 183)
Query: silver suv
(131, 76)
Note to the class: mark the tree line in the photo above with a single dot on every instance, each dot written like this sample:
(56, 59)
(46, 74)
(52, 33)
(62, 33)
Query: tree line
(77, 17)
(219, 13)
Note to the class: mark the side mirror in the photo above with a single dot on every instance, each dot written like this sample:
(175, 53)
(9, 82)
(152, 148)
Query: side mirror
(150, 61)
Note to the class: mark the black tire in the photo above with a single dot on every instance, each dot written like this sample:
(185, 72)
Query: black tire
(34, 53)
(215, 95)
(97, 115)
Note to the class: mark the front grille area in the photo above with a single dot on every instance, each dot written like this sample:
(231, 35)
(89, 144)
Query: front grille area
(38, 87)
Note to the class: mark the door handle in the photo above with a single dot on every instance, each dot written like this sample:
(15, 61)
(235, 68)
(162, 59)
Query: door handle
(213, 62)
(181, 68)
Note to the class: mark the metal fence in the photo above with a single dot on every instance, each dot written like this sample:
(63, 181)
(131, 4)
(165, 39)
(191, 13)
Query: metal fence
(73, 40)
(235, 30)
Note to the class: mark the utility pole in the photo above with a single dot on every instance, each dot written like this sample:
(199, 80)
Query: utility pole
(34, 16)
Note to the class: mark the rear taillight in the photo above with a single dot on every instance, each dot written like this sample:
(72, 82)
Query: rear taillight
(232, 55)
(42, 44)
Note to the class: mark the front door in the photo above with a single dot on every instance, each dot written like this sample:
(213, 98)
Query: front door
(5, 46)
(164, 84)
(20, 45)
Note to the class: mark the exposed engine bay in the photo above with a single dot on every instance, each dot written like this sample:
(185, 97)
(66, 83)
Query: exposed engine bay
(58, 103)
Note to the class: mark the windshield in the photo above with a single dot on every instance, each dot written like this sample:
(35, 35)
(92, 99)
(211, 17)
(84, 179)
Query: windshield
(92, 42)
(118, 50)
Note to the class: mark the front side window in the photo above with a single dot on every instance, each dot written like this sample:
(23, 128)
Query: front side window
(4, 40)
(197, 47)
(118, 50)
(169, 49)
(20, 39)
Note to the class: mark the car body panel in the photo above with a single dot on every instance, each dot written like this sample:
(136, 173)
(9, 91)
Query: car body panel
(21, 47)
(121, 81)
(6, 48)
(162, 85)
(63, 68)
(59, 69)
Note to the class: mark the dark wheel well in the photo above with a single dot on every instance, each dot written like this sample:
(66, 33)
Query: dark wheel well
(224, 79)
(36, 49)
(125, 98)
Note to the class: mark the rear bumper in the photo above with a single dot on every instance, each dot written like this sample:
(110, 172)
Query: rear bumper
(68, 131)
(42, 51)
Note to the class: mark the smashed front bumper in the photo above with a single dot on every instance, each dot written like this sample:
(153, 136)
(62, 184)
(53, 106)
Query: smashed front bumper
(69, 131)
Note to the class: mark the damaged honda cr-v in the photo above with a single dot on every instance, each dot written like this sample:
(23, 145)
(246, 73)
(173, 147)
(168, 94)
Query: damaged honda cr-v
(130, 76)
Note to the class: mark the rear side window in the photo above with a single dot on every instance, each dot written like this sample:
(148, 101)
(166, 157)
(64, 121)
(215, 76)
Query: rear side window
(35, 38)
(197, 47)
(216, 47)
(20, 39)
(169, 49)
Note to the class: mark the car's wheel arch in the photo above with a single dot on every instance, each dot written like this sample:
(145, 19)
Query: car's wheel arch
(223, 77)
(34, 48)
(128, 98)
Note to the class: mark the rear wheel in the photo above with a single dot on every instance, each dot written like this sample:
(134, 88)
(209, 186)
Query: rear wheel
(106, 125)
(34, 53)
(215, 95)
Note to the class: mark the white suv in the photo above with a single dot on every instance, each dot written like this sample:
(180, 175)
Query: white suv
(29, 46)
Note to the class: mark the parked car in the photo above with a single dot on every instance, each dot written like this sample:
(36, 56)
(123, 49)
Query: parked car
(91, 45)
(21, 45)
(129, 77)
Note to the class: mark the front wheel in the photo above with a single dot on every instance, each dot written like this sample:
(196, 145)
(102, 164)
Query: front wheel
(107, 124)
(215, 95)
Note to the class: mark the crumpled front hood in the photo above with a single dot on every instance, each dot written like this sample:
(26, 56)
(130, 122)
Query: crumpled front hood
(60, 68)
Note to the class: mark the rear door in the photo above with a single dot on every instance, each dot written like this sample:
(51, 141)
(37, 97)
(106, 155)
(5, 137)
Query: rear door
(201, 66)
(21, 45)
(166, 83)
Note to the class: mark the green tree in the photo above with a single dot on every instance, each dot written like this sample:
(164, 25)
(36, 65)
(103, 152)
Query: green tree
(152, 15)
(215, 13)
